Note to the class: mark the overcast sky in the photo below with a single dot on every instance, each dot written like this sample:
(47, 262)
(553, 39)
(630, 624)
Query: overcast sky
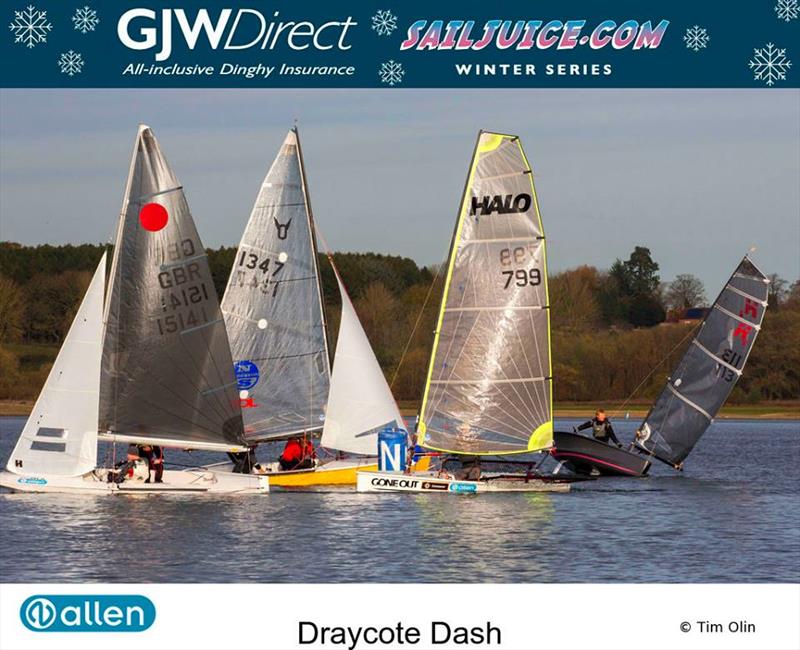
(697, 176)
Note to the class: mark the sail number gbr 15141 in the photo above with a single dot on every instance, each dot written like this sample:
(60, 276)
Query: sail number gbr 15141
(511, 258)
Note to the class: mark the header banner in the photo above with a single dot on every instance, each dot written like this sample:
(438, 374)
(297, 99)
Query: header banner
(409, 44)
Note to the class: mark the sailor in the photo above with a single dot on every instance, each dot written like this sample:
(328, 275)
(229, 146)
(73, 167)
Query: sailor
(601, 428)
(132, 468)
(244, 461)
(146, 454)
(470, 469)
(297, 454)
(157, 464)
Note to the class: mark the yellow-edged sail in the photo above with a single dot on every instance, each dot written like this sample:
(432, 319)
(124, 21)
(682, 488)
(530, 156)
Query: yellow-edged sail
(489, 383)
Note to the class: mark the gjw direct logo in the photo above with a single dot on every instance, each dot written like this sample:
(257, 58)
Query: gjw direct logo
(107, 613)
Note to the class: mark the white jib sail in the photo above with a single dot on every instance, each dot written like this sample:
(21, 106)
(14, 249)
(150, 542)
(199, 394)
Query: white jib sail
(360, 402)
(60, 436)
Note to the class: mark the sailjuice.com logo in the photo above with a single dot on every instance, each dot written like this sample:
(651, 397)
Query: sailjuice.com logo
(106, 613)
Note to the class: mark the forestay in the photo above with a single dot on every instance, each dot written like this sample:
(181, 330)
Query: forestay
(273, 308)
(167, 373)
(60, 436)
(488, 388)
(710, 368)
(360, 402)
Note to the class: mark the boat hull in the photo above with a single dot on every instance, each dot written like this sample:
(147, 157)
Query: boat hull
(586, 455)
(174, 482)
(429, 482)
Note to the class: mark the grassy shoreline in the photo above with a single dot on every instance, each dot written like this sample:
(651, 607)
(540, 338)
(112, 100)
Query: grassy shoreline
(761, 411)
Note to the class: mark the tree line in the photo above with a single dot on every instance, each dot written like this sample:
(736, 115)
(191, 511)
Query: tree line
(610, 338)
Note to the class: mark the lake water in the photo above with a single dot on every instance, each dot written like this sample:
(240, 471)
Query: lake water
(732, 516)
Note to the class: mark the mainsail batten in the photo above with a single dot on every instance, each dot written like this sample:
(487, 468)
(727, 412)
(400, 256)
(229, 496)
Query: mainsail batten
(167, 373)
(273, 308)
(488, 388)
(709, 369)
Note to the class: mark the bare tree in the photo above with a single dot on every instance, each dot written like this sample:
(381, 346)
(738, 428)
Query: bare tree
(777, 290)
(685, 291)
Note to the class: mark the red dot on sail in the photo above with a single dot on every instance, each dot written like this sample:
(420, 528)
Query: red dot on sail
(153, 216)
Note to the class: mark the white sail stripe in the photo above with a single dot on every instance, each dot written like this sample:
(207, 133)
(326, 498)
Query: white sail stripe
(520, 380)
(508, 175)
(281, 435)
(753, 278)
(491, 309)
(145, 197)
(203, 326)
(490, 240)
(240, 317)
(256, 248)
(739, 318)
(685, 399)
(716, 358)
(744, 294)
(171, 265)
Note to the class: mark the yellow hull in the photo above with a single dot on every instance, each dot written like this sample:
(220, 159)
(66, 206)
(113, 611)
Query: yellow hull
(339, 472)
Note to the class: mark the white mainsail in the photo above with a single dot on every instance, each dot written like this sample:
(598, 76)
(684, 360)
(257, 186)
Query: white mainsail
(273, 308)
(360, 402)
(60, 436)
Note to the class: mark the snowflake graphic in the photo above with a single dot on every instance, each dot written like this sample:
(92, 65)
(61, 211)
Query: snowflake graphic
(769, 64)
(696, 38)
(391, 72)
(384, 22)
(30, 26)
(787, 10)
(71, 63)
(85, 19)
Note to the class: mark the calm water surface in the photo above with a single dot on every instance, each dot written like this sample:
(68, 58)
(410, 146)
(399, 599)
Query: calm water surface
(732, 516)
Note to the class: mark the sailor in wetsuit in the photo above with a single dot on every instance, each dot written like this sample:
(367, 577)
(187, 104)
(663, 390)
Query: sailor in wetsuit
(601, 428)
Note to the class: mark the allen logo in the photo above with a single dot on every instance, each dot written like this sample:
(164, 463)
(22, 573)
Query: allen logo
(99, 613)
(507, 204)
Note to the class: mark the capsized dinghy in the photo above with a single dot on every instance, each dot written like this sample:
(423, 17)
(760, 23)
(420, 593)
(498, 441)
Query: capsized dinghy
(276, 323)
(158, 373)
(695, 392)
(488, 388)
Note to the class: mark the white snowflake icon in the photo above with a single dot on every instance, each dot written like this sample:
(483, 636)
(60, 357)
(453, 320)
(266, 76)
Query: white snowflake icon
(787, 10)
(71, 63)
(391, 72)
(696, 38)
(769, 64)
(384, 22)
(30, 26)
(85, 19)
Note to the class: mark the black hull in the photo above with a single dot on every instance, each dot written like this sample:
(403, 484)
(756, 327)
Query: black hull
(585, 455)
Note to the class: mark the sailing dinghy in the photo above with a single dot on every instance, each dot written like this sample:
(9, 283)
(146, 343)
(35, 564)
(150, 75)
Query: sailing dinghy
(488, 389)
(275, 319)
(694, 393)
(158, 371)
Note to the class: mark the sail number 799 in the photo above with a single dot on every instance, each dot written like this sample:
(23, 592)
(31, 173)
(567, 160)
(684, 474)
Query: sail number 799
(520, 277)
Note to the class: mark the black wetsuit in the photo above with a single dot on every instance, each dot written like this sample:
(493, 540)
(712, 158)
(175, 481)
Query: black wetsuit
(602, 431)
(243, 461)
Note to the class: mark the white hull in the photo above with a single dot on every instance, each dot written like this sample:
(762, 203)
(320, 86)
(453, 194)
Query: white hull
(429, 482)
(193, 481)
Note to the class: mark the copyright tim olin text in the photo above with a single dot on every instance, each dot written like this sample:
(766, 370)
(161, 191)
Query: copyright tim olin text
(712, 627)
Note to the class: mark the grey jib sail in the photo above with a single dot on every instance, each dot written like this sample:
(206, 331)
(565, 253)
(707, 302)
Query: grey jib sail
(167, 372)
(708, 371)
(489, 381)
(273, 308)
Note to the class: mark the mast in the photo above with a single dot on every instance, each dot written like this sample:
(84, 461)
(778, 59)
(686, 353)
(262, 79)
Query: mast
(709, 369)
(488, 387)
